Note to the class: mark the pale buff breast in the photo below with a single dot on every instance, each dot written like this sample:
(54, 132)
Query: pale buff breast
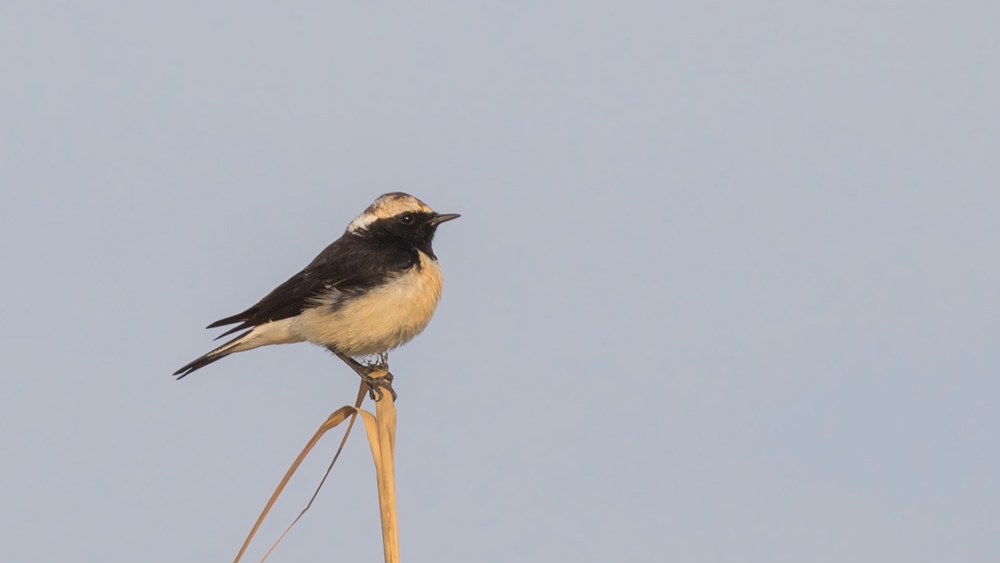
(381, 320)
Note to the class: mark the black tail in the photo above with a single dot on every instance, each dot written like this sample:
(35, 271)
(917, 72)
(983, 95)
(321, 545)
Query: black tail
(198, 364)
(242, 319)
(214, 355)
(238, 318)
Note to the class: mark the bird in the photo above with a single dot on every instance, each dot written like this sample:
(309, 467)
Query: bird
(367, 293)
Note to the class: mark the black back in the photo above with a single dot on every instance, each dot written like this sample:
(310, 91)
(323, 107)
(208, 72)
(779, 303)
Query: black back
(352, 264)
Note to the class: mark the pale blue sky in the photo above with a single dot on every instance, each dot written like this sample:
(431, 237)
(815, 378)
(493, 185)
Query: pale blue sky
(725, 285)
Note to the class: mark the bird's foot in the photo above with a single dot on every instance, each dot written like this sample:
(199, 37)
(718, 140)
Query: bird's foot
(376, 384)
(372, 364)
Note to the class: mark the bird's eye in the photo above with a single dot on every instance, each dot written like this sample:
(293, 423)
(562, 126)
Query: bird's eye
(407, 219)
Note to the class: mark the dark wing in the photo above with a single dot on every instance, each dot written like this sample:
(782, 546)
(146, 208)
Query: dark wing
(350, 265)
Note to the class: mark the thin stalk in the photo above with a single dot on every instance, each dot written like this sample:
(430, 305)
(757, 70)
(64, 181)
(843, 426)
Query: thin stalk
(386, 473)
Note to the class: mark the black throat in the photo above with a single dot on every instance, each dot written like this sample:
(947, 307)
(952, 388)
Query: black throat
(392, 235)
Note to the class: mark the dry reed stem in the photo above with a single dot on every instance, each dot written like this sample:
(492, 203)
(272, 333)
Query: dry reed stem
(385, 469)
(381, 432)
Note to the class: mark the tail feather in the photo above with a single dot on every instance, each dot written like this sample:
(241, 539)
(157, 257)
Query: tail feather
(215, 355)
(237, 318)
(237, 328)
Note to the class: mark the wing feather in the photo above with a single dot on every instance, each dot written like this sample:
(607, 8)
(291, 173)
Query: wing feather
(348, 266)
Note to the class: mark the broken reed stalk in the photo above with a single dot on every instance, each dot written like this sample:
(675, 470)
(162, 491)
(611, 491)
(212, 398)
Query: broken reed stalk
(381, 432)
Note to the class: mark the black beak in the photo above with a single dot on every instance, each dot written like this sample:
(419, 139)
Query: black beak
(442, 217)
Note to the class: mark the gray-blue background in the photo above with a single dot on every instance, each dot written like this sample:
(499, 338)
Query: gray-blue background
(724, 288)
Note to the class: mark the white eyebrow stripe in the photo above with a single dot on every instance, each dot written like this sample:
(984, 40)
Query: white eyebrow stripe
(361, 222)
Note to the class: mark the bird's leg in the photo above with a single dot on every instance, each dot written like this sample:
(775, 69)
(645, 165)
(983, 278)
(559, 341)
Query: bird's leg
(375, 384)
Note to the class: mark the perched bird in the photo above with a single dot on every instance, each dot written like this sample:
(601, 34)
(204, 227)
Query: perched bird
(372, 290)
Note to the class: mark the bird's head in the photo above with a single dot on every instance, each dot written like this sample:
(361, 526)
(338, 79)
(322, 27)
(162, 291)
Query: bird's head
(402, 217)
